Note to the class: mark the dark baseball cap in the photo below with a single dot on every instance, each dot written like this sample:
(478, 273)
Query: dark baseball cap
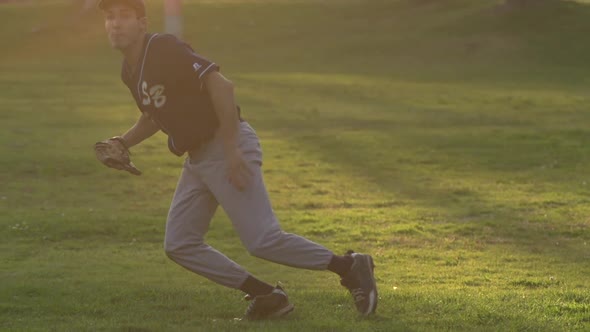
(138, 5)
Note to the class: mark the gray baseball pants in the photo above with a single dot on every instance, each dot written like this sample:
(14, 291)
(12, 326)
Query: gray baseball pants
(203, 185)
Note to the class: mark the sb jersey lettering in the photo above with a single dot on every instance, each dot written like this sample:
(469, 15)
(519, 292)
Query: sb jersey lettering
(153, 94)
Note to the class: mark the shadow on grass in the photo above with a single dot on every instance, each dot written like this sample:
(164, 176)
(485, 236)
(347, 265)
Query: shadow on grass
(511, 185)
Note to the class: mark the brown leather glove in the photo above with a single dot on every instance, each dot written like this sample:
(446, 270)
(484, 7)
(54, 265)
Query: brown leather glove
(114, 154)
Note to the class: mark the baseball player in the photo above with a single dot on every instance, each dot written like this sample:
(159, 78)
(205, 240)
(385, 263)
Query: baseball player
(184, 95)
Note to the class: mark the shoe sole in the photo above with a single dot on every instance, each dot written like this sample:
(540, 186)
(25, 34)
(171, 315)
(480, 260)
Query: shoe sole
(366, 268)
(283, 311)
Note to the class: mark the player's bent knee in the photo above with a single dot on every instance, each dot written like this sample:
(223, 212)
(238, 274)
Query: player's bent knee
(179, 248)
(170, 250)
(256, 252)
(266, 244)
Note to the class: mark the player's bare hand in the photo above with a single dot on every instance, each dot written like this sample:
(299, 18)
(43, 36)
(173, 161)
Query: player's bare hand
(239, 175)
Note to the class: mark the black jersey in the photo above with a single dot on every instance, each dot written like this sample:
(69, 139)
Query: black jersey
(168, 86)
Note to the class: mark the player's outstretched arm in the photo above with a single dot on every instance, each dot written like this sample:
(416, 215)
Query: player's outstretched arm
(143, 129)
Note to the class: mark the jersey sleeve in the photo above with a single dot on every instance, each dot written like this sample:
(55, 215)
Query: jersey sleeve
(182, 61)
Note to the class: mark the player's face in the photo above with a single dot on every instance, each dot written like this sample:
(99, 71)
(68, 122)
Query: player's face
(123, 26)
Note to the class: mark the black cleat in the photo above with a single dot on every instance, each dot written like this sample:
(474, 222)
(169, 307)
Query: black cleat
(273, 305)
(360, 281)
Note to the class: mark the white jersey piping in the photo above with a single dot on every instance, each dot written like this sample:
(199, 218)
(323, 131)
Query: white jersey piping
(139, 94)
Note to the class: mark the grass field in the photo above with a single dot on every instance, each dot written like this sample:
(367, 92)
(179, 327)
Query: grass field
(446, 139)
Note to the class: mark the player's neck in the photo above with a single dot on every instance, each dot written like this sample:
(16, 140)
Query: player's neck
(133, 53)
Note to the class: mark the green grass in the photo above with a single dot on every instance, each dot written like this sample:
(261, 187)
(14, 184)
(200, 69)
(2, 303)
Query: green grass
(446, 139)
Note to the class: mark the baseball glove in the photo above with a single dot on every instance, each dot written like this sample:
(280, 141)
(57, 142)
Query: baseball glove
(114, 154)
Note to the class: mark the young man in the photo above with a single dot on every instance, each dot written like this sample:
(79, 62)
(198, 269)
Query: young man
(185, 96)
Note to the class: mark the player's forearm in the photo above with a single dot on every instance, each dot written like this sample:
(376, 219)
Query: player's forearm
(228, 126)
(222, 96)
(143, 129)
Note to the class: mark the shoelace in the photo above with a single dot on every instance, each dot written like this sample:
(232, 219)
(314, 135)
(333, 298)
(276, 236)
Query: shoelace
(358, 294)
(251, 307)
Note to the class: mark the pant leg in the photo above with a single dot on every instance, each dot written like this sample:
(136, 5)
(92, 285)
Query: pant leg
(251, 213)
(190, 213)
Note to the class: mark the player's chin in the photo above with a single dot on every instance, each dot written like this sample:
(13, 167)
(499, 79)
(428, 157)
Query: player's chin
(118, 45)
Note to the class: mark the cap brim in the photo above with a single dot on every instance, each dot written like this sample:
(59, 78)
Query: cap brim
(139, 7)
(102, 4)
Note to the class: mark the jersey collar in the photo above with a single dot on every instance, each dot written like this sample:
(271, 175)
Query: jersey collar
(129, 73)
